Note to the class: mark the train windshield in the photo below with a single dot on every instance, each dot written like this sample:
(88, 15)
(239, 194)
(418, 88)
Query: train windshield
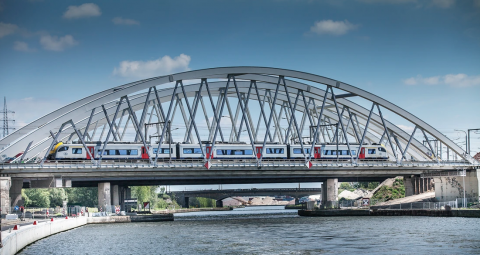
(64, 148)
(381, 149)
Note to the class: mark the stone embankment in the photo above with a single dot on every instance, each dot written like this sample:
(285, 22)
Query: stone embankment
(15, 240)
(131, 218)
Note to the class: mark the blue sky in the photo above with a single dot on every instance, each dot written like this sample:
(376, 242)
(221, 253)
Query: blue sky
(421, 55)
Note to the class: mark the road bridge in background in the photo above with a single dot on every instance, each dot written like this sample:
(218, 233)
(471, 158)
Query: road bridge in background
(182, 197)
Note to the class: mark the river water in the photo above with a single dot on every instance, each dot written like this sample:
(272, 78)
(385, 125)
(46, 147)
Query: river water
(269, 230)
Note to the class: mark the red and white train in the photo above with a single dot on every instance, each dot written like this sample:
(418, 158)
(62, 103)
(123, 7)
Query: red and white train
(116, 151)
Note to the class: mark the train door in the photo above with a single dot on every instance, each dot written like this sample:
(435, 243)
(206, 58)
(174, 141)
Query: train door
(317, 152)
(362, 153)
(92, 151)
(144, 153)
(258, 150)
(209, 152)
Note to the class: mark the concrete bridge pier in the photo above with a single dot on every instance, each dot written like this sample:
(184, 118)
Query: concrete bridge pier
(115, 195)
(219, 203)
(5, 183)
(104, 198)
(330, 193)
(415, 185)
(452, 187)
(16, 192)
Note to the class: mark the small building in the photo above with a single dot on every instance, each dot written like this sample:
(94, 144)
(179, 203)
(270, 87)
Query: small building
(477, 156)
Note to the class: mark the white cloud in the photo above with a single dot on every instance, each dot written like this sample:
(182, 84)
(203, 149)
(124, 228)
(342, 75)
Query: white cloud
(476, 3)
(6, 29)
(55, 43)
(461, 80)
(122, 21)
(82, 11)
(332, 27)
(147, 69)
(454, 80)
(444, 4)
(22, 46)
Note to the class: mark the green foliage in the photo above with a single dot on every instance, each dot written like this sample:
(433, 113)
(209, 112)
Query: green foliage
(365, 185)
(388, 193)
(201, 202)
(86, 196)
(57, 196)
(146, 194)
(345, 185)
(36, 197)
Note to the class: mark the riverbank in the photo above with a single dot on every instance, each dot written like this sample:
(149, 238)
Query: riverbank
(15, 240)
(360, 212)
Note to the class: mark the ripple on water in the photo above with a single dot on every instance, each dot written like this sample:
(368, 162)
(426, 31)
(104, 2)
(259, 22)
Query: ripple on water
(269, 231)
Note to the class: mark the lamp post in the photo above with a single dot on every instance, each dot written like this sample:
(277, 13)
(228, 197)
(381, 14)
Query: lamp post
(473, 129)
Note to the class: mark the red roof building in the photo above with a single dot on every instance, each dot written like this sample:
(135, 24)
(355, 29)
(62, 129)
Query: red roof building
(477, 156)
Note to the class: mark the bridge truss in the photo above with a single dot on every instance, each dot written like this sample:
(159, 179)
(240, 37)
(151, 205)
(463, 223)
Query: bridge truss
(252, 105)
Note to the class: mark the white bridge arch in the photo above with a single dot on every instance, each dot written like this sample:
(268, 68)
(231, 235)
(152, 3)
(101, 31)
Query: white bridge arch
(273, 93)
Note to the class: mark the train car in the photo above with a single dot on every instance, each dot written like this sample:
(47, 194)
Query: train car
(113, 151)
(373, 151)
(232, 151)
(331, 151)
(272, 151)
(164, 152)
(190, 151)
(295, 151)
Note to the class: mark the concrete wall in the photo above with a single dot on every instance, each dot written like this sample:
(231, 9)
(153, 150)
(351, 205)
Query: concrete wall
(104, 198)
(451, 188)
(18, 239)
(5, 183)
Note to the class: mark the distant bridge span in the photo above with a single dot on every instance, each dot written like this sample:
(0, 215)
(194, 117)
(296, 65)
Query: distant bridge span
(255, 106)
(219, 195)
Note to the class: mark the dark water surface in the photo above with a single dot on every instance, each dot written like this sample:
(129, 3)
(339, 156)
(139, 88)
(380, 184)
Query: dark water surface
(269, 230)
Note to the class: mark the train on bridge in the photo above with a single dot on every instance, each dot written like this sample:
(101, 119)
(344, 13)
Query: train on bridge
(222, 151)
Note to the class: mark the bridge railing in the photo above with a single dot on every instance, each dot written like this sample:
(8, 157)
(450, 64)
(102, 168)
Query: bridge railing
(227, 163)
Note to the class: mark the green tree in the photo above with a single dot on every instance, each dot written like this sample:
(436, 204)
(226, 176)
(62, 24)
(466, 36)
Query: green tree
(85, 196)
(57, 196)
(36, 197)
(145, 194)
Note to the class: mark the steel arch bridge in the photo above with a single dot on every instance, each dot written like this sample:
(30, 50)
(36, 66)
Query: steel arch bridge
(251, 105)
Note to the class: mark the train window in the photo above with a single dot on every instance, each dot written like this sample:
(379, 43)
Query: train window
(344, 152)
(64, 148)
(371, 151)
(275, 150)
(192, 151)
(162, 151)
(220, 152)
(381, 149)
(354, 152)
(76, 150)
(299, 151)
(104, 153)
(248, 152)
(132, 152)
(239, 152)
(326, 152)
